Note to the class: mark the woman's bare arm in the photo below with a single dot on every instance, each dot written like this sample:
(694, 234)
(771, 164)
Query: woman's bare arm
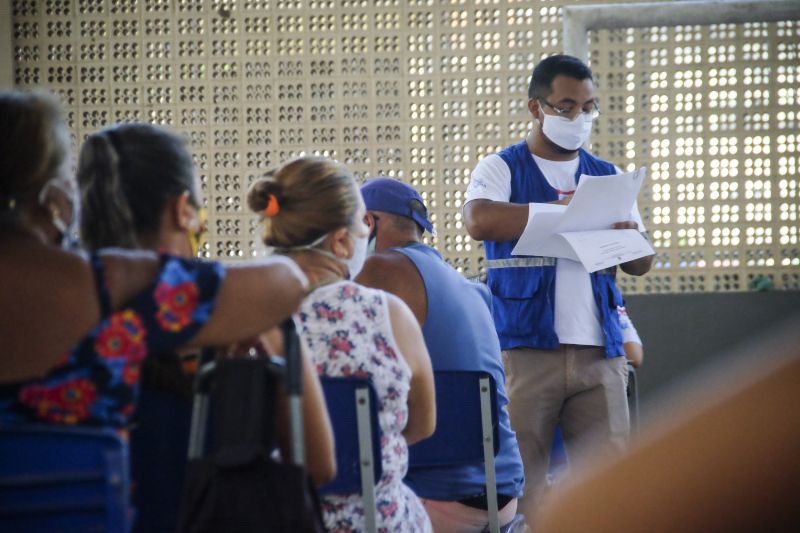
(319, 443)
(421, 397)
(253, 298)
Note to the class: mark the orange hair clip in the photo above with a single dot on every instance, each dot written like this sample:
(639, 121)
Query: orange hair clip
(273, 207)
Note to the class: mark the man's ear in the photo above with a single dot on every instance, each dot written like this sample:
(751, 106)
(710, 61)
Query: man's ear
(341, 243)
(534, 107)
(184, 215)
(369, 219)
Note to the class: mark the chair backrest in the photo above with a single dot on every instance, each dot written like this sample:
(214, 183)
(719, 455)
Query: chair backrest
(458, 438)
(55, 478)
(344, 398)
(466, 429)
(353, 408)
(559, 460)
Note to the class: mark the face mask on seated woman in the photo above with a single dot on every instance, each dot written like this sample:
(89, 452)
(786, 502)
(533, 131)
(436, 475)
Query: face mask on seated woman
(354, 263)
(67, 226)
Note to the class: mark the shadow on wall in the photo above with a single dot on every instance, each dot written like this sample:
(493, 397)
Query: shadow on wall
(682, 333)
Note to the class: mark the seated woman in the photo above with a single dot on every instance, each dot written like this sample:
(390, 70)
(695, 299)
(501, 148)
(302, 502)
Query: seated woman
(139, 191)
(313, 211)
(81, 327)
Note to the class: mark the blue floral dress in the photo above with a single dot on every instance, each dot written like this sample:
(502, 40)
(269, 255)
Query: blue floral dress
(347, 330)
(96, 382)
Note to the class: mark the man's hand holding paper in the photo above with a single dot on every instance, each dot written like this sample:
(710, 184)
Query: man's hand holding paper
(594, 228)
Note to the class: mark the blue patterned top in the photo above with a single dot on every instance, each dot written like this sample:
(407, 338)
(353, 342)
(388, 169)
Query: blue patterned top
(97, 381)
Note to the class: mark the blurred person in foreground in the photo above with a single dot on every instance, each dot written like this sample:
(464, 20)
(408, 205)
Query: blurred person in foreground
(720, 455)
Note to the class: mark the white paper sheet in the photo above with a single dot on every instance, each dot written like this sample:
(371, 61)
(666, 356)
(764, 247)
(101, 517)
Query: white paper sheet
(581, 230)
(540, 237)
(600, 201)
(601, 249)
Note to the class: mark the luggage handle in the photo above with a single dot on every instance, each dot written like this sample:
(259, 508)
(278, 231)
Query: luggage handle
(294, 381)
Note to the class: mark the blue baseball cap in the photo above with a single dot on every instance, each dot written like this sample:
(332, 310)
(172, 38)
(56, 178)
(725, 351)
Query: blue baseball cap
(393, 196)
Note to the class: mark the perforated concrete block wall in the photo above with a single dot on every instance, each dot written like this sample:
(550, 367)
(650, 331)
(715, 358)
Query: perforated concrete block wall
(422, 89)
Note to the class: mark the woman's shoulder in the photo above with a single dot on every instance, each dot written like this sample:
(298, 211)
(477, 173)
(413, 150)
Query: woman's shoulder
(50, 281)
(345, 298)
(161, 302)
(129, 273)
(346, 291)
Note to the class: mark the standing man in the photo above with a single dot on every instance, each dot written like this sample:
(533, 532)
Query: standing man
(459, 333)
(558, 325)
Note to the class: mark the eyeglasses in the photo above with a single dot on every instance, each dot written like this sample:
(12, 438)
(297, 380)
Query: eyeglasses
(572, 113)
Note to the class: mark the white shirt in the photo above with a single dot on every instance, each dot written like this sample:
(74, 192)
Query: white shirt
(629, 333)
(577, 319)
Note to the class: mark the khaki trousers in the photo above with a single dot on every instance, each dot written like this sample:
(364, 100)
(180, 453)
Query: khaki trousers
(574, 386)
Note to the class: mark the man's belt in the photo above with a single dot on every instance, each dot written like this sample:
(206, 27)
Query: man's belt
(523, 262)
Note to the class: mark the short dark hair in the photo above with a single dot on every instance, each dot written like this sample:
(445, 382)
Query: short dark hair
(558, 65)
(405, 224)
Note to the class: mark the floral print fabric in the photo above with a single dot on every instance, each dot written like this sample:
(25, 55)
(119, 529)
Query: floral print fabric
(96, 382)
(347, 330)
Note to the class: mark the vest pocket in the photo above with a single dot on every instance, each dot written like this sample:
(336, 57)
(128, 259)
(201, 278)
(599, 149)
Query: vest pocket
(522, 307)
(515, 282)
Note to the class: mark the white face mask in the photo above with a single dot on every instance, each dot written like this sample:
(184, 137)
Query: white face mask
(356, 262)
(68, 230)
(568, 134)
(372, 240)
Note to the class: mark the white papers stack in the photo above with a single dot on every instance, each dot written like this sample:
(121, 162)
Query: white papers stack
(581, 231)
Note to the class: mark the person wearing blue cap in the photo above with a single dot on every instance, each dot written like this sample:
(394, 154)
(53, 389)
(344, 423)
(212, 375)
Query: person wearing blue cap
(459, 333)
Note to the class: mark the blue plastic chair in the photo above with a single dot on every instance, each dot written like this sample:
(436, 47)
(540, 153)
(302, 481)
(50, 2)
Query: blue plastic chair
(466, 429)
(353, 409)
(63, 479)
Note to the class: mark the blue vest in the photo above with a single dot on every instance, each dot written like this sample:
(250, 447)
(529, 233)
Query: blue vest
(524, 297)
(458, 334)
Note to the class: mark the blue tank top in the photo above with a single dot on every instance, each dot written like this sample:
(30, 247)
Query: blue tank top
(459, 334)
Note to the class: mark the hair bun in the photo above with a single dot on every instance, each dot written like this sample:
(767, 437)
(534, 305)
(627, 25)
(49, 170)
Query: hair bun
(265, 195)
